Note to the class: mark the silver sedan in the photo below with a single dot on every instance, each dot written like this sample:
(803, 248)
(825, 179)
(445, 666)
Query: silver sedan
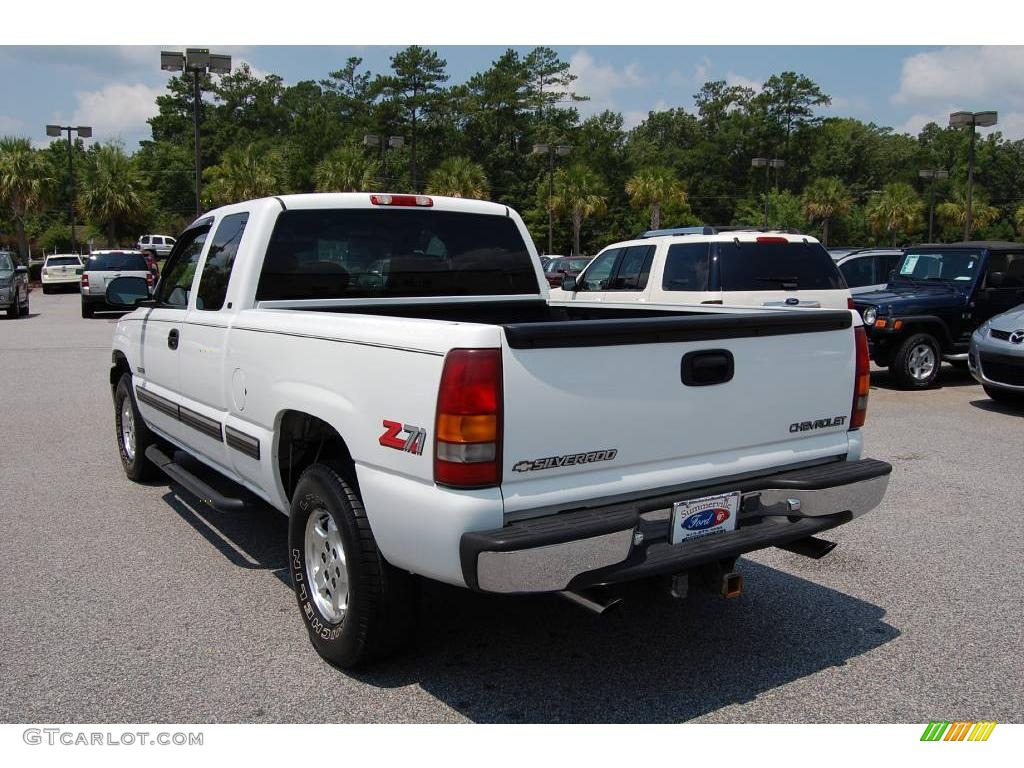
(996, 357)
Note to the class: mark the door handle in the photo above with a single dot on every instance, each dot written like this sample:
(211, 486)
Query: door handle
(706, 367)
(172, 338)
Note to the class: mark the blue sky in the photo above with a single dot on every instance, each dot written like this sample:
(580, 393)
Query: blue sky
(113, 88)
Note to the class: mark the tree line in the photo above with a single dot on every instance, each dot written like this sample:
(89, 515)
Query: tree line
(844, 180)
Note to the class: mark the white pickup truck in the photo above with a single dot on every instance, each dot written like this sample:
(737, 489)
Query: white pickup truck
(387, 371)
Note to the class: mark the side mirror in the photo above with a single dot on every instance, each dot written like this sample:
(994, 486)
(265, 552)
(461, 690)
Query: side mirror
(568, 283)
(126, 292)
(997, 280)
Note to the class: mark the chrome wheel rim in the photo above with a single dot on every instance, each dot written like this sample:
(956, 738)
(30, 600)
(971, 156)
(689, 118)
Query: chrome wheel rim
(922, 362)
(325, 566)
(128, 429)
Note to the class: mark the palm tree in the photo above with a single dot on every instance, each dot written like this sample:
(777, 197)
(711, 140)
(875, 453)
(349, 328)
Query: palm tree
(896, 211)
(244, 173)
(112, 190)
(580, 193)
(825, 200)
(346, 169)
(459, 177)
(953, 212)
(25, 184)
(655, 187)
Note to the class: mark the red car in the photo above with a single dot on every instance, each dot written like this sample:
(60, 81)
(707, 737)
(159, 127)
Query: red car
(563, 266)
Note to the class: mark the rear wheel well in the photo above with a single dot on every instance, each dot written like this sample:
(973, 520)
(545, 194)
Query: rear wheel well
(303, 440)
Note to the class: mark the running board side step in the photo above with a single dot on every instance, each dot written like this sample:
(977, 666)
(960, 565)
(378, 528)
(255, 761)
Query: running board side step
(191, 483)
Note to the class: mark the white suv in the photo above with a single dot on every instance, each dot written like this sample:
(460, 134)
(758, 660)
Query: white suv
(160, 245)
(704, 265)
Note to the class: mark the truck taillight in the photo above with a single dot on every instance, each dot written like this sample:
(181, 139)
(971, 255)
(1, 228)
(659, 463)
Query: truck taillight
(862, 379)
(45, 272)
(467, 435)
(85, 280)
(150, 279)
(849, 304)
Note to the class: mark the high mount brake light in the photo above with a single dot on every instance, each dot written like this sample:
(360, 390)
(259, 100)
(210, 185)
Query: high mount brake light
(771, 239)
(861, 379)
(467, 434)
(410, 201)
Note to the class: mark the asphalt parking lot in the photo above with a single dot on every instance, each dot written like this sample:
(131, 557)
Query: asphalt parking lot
(126, 602)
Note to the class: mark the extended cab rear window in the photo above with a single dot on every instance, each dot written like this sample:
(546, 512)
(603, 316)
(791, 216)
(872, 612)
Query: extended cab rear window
(354, 253)
(117, 261)
(774, 266)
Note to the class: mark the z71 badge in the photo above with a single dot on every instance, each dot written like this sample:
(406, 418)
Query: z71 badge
(403, 437)
(569, 460)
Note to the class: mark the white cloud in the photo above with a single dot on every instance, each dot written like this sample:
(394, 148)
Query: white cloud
(119, 110)
(631, 118)
(600, 81)
(731, 78)
(964, 72)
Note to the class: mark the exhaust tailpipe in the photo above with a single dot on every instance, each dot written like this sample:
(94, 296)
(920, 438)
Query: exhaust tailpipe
(732, 584)
(811, 547)
(592, 603)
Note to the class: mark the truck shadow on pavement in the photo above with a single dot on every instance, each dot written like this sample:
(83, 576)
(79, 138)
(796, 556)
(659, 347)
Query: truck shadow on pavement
(540, 659)
(993, 407)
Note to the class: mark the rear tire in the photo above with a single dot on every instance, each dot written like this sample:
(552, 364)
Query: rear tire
(134, 437)
(46, 288)
(1004, 396)
(917, 362)
(356, 606)
(14, 311)
(25, 306)
(87, 310)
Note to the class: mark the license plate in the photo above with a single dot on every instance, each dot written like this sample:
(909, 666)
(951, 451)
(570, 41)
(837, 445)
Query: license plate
(707, 516)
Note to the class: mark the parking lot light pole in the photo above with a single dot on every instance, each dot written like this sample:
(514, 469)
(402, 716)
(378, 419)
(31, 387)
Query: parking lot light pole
(84, 132)
(384, 142)
(971, 120)
(198, 61)
(933, 174)
(768, 163)
(562, 150)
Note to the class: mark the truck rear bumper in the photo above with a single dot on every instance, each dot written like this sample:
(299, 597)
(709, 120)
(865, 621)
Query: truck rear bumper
(630, 540)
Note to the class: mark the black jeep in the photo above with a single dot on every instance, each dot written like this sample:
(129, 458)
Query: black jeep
(937, 295)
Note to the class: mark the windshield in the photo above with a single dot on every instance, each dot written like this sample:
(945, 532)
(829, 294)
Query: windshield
(769, 266)
(6, 264)
(959, 266)
(353, 253)
(63, 261)
(120, 260)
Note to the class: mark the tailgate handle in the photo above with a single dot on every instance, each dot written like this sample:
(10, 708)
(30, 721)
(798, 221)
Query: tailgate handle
(706, 367)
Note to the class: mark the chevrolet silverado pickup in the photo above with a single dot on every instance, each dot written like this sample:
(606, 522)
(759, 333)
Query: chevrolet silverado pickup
(387, 371)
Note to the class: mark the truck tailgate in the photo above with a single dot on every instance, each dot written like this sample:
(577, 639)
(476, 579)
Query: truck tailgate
(596, 408)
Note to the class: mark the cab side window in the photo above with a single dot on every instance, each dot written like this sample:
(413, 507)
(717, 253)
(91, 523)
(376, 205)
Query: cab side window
(213, 283)
(176, 280)
(598, 274)
(1009, 266)
(634, 267)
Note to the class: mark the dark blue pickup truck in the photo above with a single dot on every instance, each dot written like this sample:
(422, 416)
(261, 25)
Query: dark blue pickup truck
(937, 295)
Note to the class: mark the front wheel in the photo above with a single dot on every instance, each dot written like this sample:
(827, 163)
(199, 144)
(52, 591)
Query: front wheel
(356, 606)
(916, 363)
(14, 310)
(133, 436)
